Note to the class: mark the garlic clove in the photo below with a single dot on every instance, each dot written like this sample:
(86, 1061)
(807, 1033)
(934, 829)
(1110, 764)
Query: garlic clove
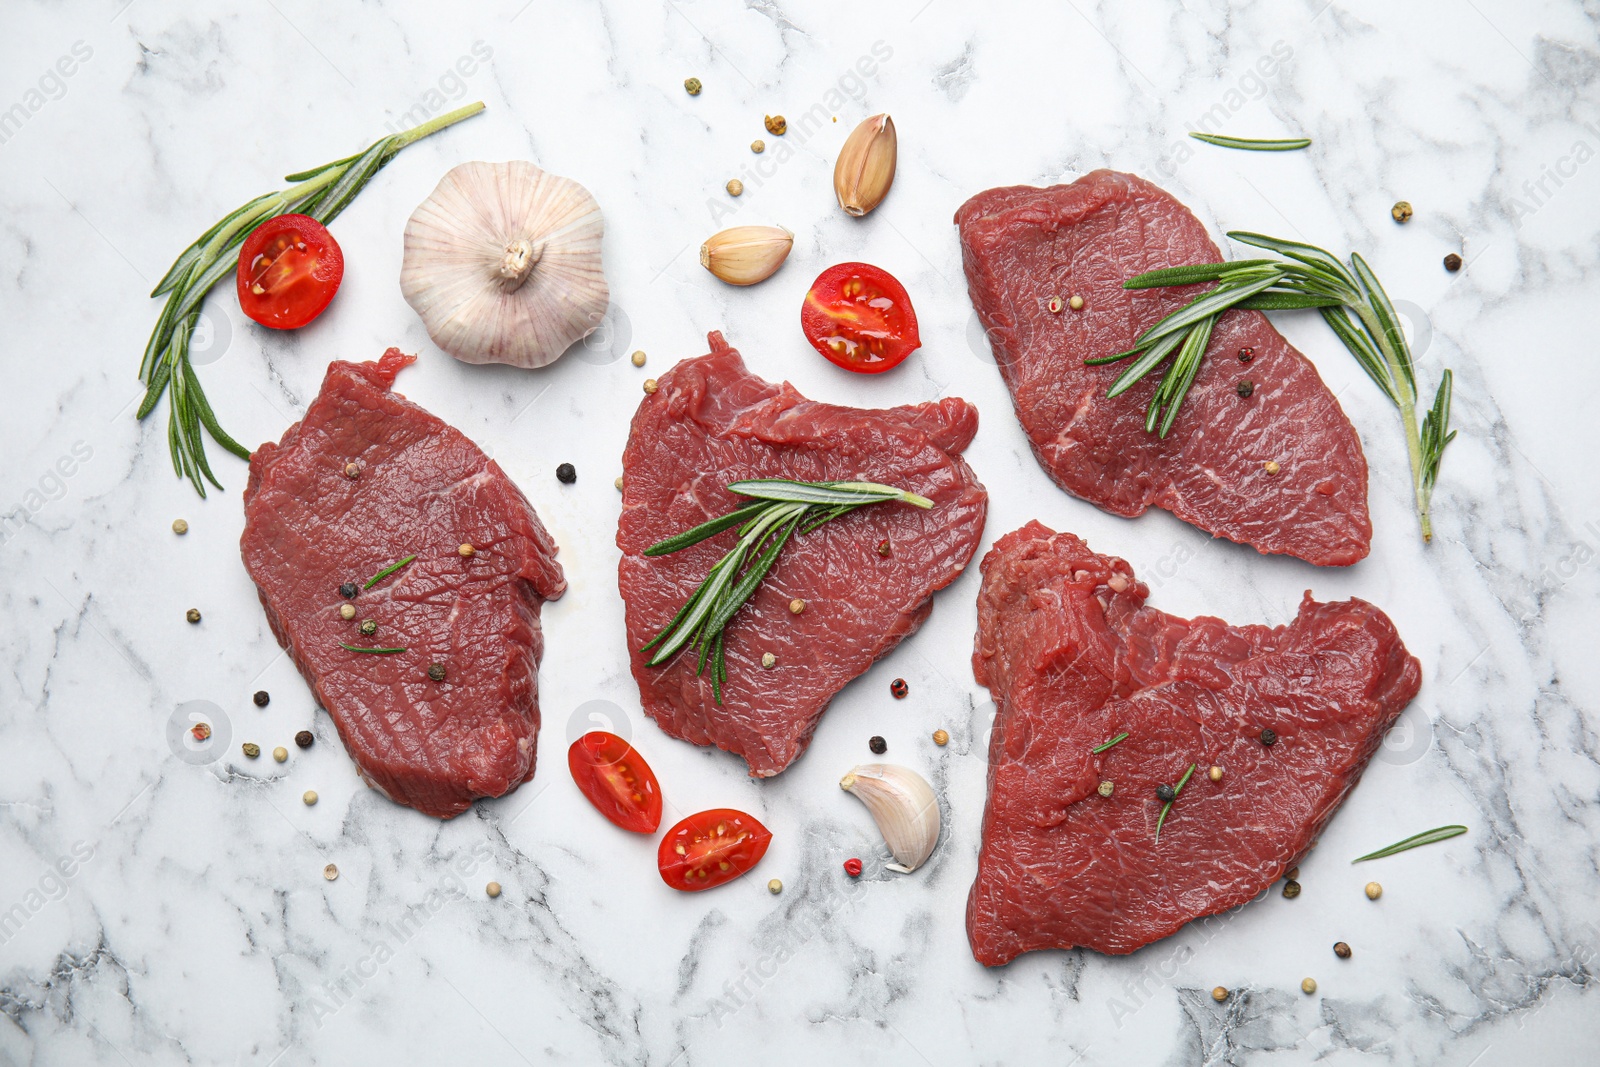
(865, 167)
(744, 255)
(903, 805)
(502, 264)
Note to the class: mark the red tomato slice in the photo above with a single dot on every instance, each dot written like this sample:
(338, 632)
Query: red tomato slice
(711, 848)
(860, 318)
(617, 781)
(289, 268)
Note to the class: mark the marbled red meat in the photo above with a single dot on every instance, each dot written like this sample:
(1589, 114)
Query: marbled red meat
(713, 422)
(1073, 657)
(1024, 245)
(422, 488)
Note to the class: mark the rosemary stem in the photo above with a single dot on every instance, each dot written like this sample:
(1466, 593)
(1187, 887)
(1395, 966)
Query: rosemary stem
(434, 125)
(1408, 412)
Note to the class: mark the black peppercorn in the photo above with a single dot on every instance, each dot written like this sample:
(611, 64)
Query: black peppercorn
(1269, 737)
(304, 738)
(878, 745)
(1246, 354)
(1165, 793)
(566, 474)
(1452, 262)
(1341, 950)
(348, 590)
(437, 672)
(898, 689)
(261, 698)
(1291, 889)
(1245, 388)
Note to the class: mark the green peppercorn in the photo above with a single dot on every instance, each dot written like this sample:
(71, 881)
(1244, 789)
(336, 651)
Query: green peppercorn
(692, 86)
(1291, 889)
(251, 750)
(368, 627)
(193, 614)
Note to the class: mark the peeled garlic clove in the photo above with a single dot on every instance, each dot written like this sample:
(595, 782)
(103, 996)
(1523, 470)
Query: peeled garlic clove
(865, 168)
(744, 255)
(502, 263)
(903, 805)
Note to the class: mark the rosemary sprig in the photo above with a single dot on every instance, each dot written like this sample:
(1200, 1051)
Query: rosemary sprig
(374, 651)
(1351, 301)
(390, 569)
(778, 510)
(1427, 837)
(1254, 144)
(1107, 744)
(1168, 805)
(321, 192)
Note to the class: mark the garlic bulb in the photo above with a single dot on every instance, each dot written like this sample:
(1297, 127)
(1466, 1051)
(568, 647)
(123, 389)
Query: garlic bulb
(903, 805)
(502, 263)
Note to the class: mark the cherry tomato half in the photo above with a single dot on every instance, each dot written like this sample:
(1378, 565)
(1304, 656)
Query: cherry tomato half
(289, 268)
(711, 848)
(860, 318)
(617, 781)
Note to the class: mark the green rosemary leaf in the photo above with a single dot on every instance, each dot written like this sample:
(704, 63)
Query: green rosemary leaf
(390, 569)
(181, 265)
(208, 418)
(1189, 275)
(1279, 301)
(1107, 744)
(706, 529)
(372, 651)
(1182, 374)
(1253, 144)
(1384, 312)
(1145, 363)
(303, 175)
(785, 491)
(355, 178)
(1212, 303)
(1165, 808)
(1310, 255)
(1361, 347)
(1427, 837)
(746, 586)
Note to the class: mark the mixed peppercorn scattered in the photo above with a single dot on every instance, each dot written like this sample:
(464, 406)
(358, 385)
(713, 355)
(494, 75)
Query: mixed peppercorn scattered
(898, 689)
(566, 474)
(852, 867)
(878, 745)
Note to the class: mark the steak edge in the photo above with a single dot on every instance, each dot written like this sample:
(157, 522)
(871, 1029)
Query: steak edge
(1073, 657)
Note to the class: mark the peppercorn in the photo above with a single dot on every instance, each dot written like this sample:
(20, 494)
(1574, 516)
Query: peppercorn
(796, 606)
(1245, 387)
(1269, 737)
(618, 483)
(692, 86)
(330, 872)
(368, 627)
(941, 737)
(650, 386)
(776, 125)
(638, 358)
(1246, 354)
(1106, 787)
(1271, 466)
(1215, 774)
(180, 526)
(1219, 994)
(774, 887)
(493, 889)
(758, 146)
(1341, 950)
(1292, 874)
(348, 590)
(898, 689)
(768, 660)
(735, 186)
(251, 750)
(304, 738)
(1374, 890)
(1308, 986)
(884, 548)
(352, 471)
(1401, 212)
(1166, 793)
(878, 745)
(262, 698)
(436, 671)
(852, 867)
(309, 796)
(1055, 305)
(1076, 303)
(193, 614)
(1452, 263)
(466, 551)
(200, 731)
(280, 754)
(1291, 889)
(566, 474)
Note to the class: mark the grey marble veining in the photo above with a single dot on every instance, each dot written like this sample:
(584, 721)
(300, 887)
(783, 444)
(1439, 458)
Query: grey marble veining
(166, 904)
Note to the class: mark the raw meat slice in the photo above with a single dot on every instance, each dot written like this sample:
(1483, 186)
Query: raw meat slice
(1073, 658)
(712, 422)
(1024, 245)
(420, 488)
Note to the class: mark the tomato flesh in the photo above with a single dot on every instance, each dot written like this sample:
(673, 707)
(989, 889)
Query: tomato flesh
(711, 848)
(617, 781)
(860, 317)
(289, 268)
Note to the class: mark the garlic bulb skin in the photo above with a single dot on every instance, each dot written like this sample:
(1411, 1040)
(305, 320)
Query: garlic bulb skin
(502, 264)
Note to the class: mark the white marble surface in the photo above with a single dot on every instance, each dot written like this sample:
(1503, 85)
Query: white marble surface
(196, 927)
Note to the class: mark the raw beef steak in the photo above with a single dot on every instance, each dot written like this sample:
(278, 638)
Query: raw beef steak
(419, 487)
(712, 422)
(1023, 245)
(1073, 658)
